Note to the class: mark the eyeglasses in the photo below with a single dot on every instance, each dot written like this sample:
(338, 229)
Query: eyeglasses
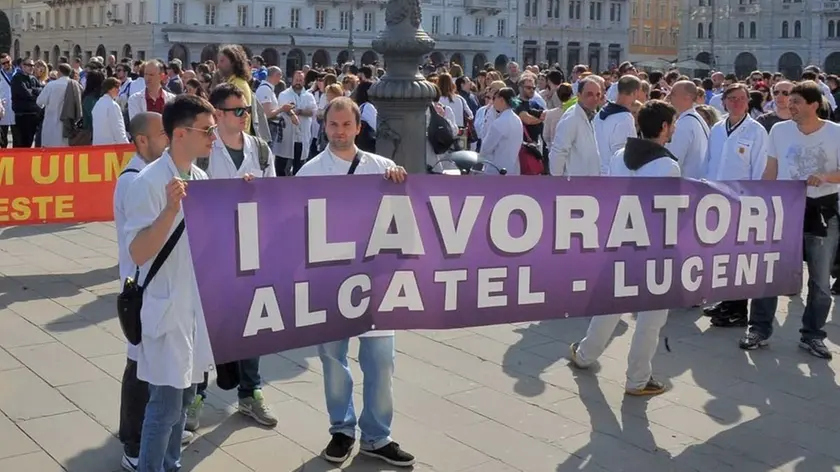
(209, 131)
(238, 111)
(781, 92)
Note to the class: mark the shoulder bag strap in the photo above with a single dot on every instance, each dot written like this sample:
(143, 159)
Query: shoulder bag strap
(128, 171)
(703, 124)
(164, 253)
(354, 164)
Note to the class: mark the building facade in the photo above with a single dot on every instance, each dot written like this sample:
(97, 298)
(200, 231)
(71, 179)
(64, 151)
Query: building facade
(740, 36)
(288, 33)
(571, 32)
(654, 29)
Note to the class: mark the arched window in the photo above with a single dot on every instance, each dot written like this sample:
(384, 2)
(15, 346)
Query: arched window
(741, 29)
(831, 29)
(711, 31)
(700, 30)
(752, 29)
(797, 29)
(785, 29)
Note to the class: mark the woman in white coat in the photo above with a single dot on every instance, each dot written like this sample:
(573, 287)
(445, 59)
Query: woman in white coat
(108, 123)
(503, 139)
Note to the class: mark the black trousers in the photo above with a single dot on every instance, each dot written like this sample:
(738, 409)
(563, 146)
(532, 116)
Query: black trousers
(4, 136)
(23, 133)
(281, 164)
(134, 397)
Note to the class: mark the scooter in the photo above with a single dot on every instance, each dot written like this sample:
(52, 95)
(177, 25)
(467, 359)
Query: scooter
(466, 163)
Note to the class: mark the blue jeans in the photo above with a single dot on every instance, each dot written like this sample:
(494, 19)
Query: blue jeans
(249, 379)
(160, 442)
(376, 358)
(819, 257)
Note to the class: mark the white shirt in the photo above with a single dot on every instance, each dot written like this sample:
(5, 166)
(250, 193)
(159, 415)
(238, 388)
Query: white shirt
(175, 348)
(612, 132)
(265, 94)
(221, 166)
(6, 98)
(612, 92)
(369, 114)
(108, 123)
(716, 102)
(740, 156)
(800, 156)
(126, 265)
(826, 91)
(51, 99)
(690, 143)
(137, 102)
(326, 163)
(303, 101)
(574, 152)
(459, 108)
(502, 142)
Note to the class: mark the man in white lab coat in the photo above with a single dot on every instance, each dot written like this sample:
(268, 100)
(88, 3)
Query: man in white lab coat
(615, 122)
(574, 152)
(150, 141)
(153, 97)
(343, 120)
(294, 150)
(645, 157)
(691, 138)
(237, 154)
(51, 100)
(174, 351)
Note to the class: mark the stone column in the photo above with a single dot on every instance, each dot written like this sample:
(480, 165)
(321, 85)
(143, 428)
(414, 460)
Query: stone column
(402, 95)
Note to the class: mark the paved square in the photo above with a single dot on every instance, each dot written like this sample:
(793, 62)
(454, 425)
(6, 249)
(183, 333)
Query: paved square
(492, 399)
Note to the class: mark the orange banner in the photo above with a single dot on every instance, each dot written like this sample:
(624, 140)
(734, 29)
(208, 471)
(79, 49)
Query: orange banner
(60, 185)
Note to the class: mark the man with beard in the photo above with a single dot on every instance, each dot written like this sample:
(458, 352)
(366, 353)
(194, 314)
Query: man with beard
(293, 151)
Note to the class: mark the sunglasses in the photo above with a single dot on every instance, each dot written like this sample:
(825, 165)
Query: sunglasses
(780, 92)
(207, 132)
(238, 112)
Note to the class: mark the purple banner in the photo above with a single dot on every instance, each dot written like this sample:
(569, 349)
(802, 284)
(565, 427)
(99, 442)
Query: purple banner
(290, 262)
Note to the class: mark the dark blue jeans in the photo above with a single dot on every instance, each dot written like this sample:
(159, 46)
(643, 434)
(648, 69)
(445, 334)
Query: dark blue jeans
(249, 379)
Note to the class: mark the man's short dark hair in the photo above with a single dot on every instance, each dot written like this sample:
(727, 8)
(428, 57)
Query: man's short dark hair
(65, 69)
(367, 71)
(222, 92)
(809, 91)
(624, 67)
(628, 85)
(182, 112)
(586, 80)
(175, 66)
(731, 77)
(809, 75)
(652, 115)
(555, 77)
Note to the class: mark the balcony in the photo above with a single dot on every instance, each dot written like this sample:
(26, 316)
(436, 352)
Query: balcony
(747, 9)
(491, 7)
(830, 6)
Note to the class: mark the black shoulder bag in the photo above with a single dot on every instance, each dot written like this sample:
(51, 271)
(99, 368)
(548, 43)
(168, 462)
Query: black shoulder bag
(130, 300)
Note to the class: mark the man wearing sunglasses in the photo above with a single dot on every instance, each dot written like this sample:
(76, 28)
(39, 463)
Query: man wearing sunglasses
(781, 99)
(236, 154)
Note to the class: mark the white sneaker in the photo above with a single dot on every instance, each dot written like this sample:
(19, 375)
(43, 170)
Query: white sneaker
(186, 438)
(129, 464)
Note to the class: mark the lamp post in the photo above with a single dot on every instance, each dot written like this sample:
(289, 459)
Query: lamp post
(350, 46)
(402, 95)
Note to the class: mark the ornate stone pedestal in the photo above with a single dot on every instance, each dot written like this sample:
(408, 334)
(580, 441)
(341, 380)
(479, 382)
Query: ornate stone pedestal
(402, 95)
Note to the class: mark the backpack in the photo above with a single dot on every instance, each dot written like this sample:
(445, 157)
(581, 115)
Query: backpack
(439, 133)
(264, 151)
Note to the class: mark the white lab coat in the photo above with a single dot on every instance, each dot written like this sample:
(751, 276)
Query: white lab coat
(574, 152)
(611, 132)
(8, 119)
(502, 142)
(126, 265)
(108, 123)
(740, 156)
(690, 143)
(302, 133)
(51, 99)
(137, 102)
(175, 348)
(221, 165)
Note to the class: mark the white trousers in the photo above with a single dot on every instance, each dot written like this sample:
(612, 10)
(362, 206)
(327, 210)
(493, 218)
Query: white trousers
(642, 347)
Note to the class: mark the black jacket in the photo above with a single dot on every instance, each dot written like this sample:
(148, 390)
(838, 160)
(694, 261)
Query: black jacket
(638, 152)
(25, 91)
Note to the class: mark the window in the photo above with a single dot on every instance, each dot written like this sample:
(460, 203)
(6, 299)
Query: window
(242, 15)
(456, 26)
(741, 29)
(78, 22)
(662, 12)
(661, 38)
(535, 4)
(320, 19)
(369, 21)
(647, 9)
(142, 12)
(268, 17)
(635, 11)
(500, 28)
(103, 16)
(647, 37)
(831, 29)
(634, 37)
(599, 6)
(435, 24)
(89, 16)
(615, 12)
(797, 29)
(592, 11)
(752, 29)
(527, 8)
(785, 29)
(700, 30)
(711, 31)
(479, 26)
(550, 8)
(178, 13)
(702, 3)
(574, 10)
(47, 19)
(66, 17)
(210, 14)
(344, 21)
(129, 12)
(294, 18)
(38, 19)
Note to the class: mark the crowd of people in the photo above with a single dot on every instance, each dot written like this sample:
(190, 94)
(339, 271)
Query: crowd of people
(236, 118)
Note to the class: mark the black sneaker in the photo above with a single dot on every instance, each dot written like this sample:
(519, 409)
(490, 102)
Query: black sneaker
(713, 310)
(392, 454)
(339, 448)
(835, 287)
(816, 347)
(730, 320)
(752, 340)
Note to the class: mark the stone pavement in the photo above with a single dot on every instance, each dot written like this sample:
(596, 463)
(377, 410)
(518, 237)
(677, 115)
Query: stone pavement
(492, 399)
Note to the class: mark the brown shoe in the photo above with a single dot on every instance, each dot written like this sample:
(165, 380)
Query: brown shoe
(653, 387)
